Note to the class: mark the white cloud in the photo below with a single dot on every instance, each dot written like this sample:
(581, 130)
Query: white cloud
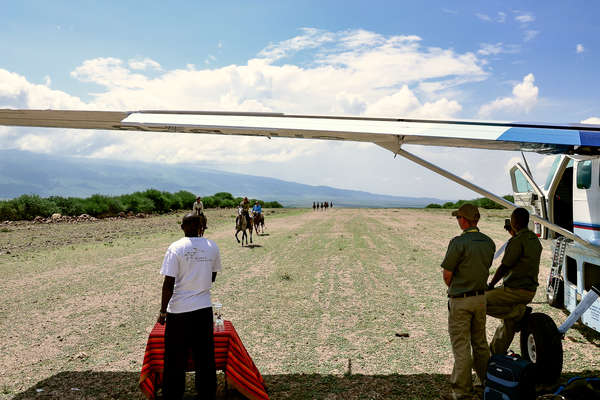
(592, 121)
(530, 34)
(144, 64)
(350, 72)
(524, 97)
(525, 18)
(405, 103)
(500, 17)
(468, 176)
(511, 162)
(17, 92)
(487, 49)
(579, 48)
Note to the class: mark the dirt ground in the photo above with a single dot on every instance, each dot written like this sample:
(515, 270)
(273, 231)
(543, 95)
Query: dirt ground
(317, 301)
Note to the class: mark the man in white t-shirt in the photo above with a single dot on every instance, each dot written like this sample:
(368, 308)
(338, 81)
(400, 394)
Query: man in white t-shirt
(190, 267)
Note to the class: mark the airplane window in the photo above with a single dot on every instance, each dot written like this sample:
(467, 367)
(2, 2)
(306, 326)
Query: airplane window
(552, 172)
(591, 275)
(523, 185)
(584, 174)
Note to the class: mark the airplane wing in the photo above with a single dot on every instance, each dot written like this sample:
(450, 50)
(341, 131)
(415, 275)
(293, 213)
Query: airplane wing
(386, 132)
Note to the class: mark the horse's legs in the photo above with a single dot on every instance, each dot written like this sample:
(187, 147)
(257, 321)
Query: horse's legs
(236, 236)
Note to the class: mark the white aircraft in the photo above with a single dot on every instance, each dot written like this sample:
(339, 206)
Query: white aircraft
(566, 209)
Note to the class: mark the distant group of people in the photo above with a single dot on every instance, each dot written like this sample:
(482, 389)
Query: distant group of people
(323, 206)
(470, 297)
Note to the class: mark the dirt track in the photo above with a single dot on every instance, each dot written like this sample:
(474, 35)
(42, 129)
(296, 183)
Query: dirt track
(317, 301)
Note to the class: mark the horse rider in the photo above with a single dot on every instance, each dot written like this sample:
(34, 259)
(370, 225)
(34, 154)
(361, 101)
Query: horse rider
(245, 204)
(198, 209)
(257, 209)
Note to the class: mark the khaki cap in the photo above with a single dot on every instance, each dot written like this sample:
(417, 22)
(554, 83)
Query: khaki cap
(468, 211)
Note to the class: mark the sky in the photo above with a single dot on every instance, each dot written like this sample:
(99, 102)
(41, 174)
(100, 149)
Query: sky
(494, 60)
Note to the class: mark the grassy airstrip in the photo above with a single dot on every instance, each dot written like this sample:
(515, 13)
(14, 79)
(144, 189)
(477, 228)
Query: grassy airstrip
(317, 303)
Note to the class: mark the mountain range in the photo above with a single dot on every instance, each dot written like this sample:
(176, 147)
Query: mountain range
(23, 172)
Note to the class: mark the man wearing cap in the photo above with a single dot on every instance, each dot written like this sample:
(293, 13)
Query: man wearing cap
(465, 272)
(520, 268)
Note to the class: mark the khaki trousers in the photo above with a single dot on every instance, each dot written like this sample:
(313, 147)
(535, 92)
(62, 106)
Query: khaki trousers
(466, 326)
(509, 305)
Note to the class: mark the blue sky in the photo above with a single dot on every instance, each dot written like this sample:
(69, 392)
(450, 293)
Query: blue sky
(493, 60)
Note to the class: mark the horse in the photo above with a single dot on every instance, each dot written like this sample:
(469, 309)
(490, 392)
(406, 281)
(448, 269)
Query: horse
(259, 220)
(241, 224)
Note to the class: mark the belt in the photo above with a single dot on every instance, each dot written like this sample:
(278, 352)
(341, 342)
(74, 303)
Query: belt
(468, 294)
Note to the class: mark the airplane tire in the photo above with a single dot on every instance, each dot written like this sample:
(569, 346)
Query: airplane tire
(555, 292)
(541, 343)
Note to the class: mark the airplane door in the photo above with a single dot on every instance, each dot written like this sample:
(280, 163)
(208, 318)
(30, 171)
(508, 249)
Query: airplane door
(528, 195)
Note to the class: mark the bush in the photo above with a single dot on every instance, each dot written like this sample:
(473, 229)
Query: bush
(509, 197)
(137, 203)
(229, 203)
(209, 202)
(482, 202)
(161, 203)
(187, 199)
(69, 206)
(8, 211)
(30, 206)
(102, 206)
(152, 200)
(223, 196)
(173, 202)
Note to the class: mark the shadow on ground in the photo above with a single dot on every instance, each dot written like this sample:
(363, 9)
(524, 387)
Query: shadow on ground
(588, 333)
(124, 385)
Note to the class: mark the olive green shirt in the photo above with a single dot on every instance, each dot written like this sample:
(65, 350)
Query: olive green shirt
(522, 257)
(469, 257)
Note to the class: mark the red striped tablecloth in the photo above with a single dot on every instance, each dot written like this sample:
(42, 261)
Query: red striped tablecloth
(230, 356)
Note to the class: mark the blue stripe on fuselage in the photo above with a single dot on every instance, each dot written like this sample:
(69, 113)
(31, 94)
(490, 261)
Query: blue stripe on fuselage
(590, 138)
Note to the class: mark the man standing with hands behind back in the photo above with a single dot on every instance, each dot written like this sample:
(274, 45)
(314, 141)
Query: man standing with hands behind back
(465, 272)
(520, 268)
(190, 267)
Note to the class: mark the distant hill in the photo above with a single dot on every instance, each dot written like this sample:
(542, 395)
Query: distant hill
(23, 172)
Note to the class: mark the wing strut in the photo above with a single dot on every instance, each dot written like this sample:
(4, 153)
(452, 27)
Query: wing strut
(493, 197)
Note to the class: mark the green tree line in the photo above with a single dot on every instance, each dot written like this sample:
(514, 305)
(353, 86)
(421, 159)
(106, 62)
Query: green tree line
(481, 202)
(27, 207)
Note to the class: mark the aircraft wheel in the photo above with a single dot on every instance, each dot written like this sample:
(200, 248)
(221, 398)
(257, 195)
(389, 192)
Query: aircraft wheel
(541, 343)
(555, 292)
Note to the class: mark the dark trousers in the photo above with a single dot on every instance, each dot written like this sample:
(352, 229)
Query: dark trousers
(192, 330)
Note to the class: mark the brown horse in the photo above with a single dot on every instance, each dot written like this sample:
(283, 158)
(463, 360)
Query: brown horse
(241, 224)
(259, 220)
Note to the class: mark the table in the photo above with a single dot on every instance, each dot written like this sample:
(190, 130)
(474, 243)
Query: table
(230, 356)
